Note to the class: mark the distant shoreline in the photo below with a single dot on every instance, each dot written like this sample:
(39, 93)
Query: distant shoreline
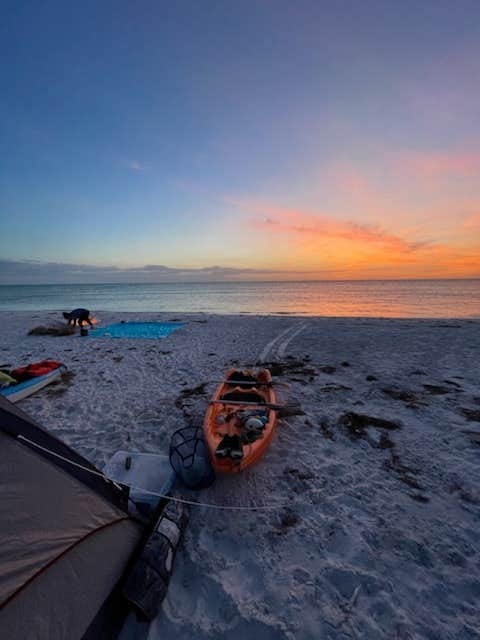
(240, 282)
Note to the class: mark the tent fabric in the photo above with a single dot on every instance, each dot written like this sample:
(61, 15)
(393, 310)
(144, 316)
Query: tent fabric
(64, 540)
(16, 422)
(48, 513)
(61, 602)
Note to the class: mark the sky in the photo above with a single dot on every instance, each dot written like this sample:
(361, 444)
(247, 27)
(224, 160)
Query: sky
(263, 140)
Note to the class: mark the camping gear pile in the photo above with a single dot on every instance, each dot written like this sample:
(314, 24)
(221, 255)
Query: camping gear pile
(23, 381)
(88, 548)
(240, 420)
(101, 546)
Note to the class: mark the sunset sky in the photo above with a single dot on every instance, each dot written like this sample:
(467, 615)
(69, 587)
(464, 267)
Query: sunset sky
(152, 141)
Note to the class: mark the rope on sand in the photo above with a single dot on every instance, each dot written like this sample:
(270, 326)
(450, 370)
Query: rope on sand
(264, 507)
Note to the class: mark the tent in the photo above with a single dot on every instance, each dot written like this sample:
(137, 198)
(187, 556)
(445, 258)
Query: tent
(66, 536)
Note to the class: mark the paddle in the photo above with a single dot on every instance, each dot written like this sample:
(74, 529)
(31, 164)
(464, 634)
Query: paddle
(254, 383)
(292, 409)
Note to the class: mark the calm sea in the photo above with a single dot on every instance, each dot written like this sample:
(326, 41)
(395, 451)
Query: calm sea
(400, 299)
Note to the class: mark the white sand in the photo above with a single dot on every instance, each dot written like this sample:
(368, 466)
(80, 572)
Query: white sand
(381, 538)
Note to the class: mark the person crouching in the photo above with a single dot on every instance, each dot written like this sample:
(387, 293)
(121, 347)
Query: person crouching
(78, 316)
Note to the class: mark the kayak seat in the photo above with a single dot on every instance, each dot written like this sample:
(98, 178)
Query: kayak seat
(243, 396)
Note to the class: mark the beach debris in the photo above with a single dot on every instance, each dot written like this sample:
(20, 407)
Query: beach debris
(290, 409)
(404, 473)
(469, 494)
(435, 389)
(471, 414)
(327, 368)
(346, 609)
(357, 423)
(53, 330)
(418, 497)
(297, 473)
(353, 599)
(60, 387)
(199, 390)
(404, 395)
(290, 366)
(473, 435)
(287, 519)
(328, 388)
(454, 384)
(185, 401)
(326, 429)
(301, 381)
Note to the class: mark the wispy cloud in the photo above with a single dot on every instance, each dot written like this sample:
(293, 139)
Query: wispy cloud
(274, 219)
(135, 165)
(436, 165)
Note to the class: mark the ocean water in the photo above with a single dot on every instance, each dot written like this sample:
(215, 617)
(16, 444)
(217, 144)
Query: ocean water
(387, 299)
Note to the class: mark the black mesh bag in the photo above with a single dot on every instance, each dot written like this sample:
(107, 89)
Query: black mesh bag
(190, 458)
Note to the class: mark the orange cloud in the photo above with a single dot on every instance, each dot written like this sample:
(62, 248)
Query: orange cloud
(434, 165)
(309, 241)
(293, 222)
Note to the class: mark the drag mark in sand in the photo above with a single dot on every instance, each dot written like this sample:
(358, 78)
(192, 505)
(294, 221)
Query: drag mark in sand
(280, 343)
(283, 346)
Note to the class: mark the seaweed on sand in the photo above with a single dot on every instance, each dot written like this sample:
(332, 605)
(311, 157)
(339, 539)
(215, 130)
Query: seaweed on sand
(357, 423)
(54, 330)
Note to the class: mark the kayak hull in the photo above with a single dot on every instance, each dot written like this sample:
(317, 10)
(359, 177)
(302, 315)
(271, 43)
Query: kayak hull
(17, 392)
(220, 418)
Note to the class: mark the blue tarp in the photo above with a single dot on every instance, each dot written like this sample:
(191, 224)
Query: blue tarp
(136, 330)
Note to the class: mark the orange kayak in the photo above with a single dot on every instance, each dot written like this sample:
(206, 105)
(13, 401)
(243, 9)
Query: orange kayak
(238, 426)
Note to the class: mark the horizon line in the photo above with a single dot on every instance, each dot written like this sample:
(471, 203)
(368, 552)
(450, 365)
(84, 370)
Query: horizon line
(190, 282)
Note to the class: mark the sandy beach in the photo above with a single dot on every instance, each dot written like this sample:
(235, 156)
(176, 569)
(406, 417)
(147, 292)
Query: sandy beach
(377, 480)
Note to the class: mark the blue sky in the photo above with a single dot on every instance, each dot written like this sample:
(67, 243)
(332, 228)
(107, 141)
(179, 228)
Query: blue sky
(181, 134)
